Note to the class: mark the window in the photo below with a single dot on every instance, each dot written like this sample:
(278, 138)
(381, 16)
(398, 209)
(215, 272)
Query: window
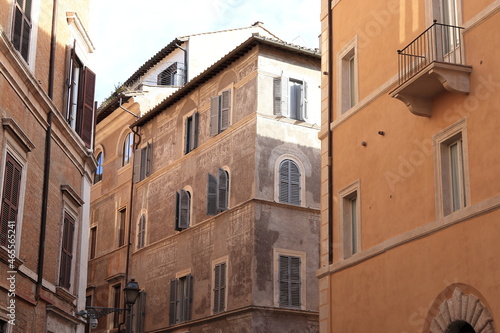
(173, 75)
(289, 281)
(141, 232)
(21, 31)
(10, 197)
(449, 16)
(182, 210)
(98, 170)
(191, 133)
(290, 98)
(116, 304)
(142, 162)
(180, 299)
(347, 82)
(289, 182)
(217, 193)
(93, 240)
(66, 251)
(220, 110)
(219, 283)
(127, 149)
(80, 108)
(122, 215)
(452, 166)
(350, 220)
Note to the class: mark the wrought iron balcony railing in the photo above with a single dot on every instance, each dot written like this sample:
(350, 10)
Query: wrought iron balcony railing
(440, 42)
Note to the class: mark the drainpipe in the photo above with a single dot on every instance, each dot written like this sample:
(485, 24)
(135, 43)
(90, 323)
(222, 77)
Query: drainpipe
(46, 172)
(129, 239)
(330, 136)
(185, 62)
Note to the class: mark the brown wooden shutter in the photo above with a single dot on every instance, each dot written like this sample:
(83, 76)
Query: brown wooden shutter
(11, 193)
(66, 251)
(87, 107)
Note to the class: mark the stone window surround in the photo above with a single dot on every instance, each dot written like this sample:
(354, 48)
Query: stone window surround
(351, 48)
(302, 178)
(303, 274)
(345, 194)
(215, 262)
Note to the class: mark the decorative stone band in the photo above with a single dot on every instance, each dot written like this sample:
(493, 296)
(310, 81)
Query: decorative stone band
(462, 308)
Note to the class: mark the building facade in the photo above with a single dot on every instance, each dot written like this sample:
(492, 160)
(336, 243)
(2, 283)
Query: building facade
(46, 163)
(191, 203)
(410, 195)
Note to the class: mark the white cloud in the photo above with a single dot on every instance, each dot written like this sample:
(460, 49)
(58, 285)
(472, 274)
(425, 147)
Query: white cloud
(126, 33)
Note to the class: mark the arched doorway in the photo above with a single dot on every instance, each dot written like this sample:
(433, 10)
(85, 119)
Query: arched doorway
(460, 327)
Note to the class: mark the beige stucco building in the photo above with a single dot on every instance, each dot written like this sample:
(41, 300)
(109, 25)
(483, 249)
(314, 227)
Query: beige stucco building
(46, 163)
(193, 206)
(410, 194)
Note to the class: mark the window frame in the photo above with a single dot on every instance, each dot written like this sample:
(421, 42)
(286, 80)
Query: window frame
(67, 250)
(127, 149)
(220, 111)
(443, 181)
(347, 93)
(350, 220)
(181, 298)
(183, 209)
(121, 226)
(26, 19)
(143, 161)
(217, 289)
(302, 179)
(191, 131)
(141, 231)
(279, 252)
(98, 173)
(282, 96)
(93, 242)
(217, 188)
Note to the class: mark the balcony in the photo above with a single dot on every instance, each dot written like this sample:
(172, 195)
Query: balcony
(432, 63)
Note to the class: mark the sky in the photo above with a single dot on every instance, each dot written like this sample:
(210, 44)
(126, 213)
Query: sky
(126, 33)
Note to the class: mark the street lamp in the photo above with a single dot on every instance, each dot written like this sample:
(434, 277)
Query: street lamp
(131, 292)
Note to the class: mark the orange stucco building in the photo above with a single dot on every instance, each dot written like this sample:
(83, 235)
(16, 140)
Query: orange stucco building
(410, 179)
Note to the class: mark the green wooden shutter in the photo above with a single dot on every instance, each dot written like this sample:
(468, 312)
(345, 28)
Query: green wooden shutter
(214, 116)
(222, 190)
(211, 195)
(173, 302)
(225, 110)
(11, 193)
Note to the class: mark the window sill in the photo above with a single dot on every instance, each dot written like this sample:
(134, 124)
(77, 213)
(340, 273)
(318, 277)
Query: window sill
(65, 295)
(4, 257)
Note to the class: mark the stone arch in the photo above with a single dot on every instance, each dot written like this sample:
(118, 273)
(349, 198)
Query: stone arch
(461, 311)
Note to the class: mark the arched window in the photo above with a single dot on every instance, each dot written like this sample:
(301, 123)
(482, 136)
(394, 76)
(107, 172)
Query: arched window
(289, 182)
(141, 232)
(182, 210)
(98, 170)
(218, 189)
(127, 149)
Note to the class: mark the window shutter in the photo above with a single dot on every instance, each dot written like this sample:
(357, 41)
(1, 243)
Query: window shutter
(223, 190)
(177, 212)
(141, 232)
(222, 287)
(225, 109)
(284, 181)
(194, 130)
(137, 165)
(149, 154)
(294, 282)
(87, 105)
(182, 214)
(277, 96)
(144, 162)
(214, 116)
(11, 192)
(212, 195)
(173, 302)
(283, 281)
(294, 183)
(187, 135)
(216, 308)
(188, 296)
(66, 252)
(141, 311)
(303, 105)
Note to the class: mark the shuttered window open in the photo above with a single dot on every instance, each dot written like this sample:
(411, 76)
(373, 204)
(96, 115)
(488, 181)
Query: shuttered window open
(289, 182)
(66, 251)
(191, 133)
(212, 195)
(217, 192)
(220, 112)
(289, 281)
(225, 110)
(10, 199)
(223, 190)
(180, 299)
(86, 109)
(182, 213)
(219, 288)
(290, 98)
(141, 232)
(143, 162)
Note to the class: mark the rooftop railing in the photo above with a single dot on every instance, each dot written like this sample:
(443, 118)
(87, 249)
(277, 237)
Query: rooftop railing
(440, 42)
